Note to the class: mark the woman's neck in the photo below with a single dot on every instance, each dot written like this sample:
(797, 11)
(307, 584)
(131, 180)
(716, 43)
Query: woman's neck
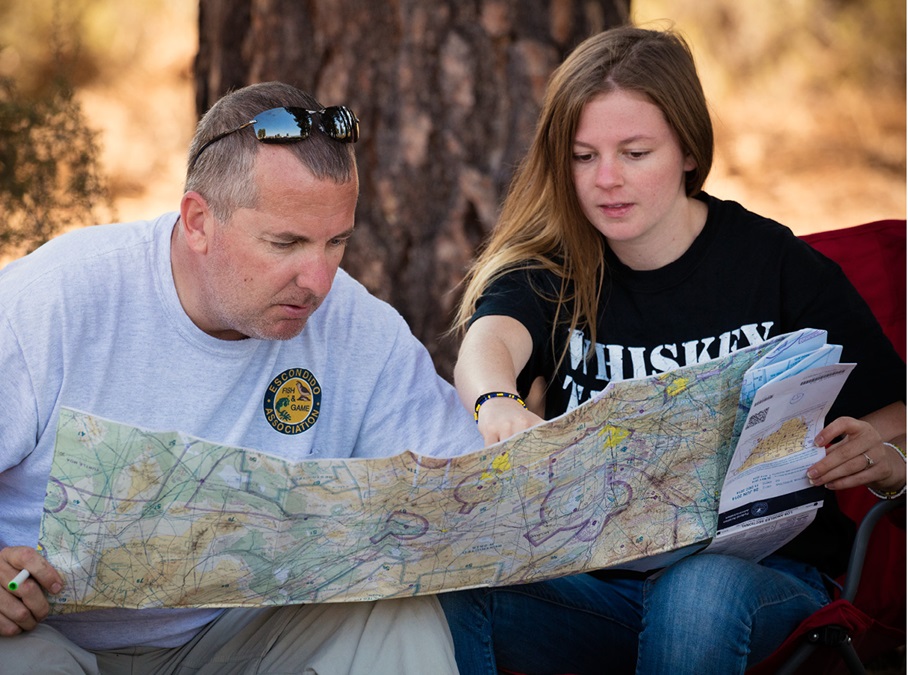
(664, 245)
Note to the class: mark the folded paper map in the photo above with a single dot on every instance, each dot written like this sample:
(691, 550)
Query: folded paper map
(138, 518)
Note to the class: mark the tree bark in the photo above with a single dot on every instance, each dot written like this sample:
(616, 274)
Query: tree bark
(447, 93)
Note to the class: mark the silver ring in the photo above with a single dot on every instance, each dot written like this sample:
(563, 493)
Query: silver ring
(869, 461)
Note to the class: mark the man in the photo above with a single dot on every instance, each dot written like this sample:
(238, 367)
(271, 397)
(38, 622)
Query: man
(190, 322)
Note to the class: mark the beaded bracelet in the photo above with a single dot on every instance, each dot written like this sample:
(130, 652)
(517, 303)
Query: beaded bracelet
(495, 394)
(897, 493)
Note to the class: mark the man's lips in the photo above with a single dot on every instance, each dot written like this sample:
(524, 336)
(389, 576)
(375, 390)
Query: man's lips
(294, 311)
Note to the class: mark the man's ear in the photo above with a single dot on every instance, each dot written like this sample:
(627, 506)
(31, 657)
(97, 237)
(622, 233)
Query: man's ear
(197, 221)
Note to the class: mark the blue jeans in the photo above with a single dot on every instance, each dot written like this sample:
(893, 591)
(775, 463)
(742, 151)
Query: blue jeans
(705, 614)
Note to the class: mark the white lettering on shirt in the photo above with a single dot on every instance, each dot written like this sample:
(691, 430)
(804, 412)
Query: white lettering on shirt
(586, 377)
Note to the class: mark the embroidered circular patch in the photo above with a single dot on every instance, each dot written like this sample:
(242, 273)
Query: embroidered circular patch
(292, 401)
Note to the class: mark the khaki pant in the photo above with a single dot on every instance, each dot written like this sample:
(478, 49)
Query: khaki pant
(390, 636)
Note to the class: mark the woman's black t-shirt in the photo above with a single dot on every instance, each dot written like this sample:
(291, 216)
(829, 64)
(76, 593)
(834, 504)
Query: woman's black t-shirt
(743, 280)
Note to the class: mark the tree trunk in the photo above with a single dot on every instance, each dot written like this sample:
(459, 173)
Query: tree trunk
(447, 93)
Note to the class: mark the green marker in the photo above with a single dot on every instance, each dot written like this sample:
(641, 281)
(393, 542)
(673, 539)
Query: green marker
(18, 579)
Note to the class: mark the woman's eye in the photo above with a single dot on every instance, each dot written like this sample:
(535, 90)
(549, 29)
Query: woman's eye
(582, 156)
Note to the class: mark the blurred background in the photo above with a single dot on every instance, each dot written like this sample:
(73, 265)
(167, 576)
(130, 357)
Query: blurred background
(807, 97)
(101, 96)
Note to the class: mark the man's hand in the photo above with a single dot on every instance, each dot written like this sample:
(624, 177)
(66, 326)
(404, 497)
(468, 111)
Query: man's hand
(22, 609)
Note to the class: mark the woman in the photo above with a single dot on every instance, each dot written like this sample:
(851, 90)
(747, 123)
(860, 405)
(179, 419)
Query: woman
(609, 262)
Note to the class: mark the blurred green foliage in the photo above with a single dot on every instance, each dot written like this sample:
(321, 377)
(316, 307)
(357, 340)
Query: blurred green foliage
(49, 175)
(50, 178)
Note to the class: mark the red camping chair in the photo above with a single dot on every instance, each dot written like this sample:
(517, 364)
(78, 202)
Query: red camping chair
(867, 618)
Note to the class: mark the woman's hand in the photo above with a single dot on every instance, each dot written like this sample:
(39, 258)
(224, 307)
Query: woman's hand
(501, 418)
(859, 457)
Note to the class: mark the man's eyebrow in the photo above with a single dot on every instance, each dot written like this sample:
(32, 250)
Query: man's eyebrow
(293, 236)
(288, 236)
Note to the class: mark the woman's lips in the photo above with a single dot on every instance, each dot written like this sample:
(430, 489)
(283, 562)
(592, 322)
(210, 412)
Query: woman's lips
(616, 210)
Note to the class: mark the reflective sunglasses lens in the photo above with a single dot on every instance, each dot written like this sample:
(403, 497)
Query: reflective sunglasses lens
(280, 124)
(340, 124)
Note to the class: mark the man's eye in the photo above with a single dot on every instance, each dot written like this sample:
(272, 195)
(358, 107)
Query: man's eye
(282, 245)
(341, 241)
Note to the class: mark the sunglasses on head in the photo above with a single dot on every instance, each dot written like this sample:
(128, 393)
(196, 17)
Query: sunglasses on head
(289, 124)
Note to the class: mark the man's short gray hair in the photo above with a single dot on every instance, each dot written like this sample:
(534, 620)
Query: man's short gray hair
(223, 173)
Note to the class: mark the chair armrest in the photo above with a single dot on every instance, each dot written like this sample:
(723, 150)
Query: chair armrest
(861, 540)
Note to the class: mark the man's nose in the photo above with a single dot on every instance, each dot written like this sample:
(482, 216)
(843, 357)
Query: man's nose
(316, 273)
